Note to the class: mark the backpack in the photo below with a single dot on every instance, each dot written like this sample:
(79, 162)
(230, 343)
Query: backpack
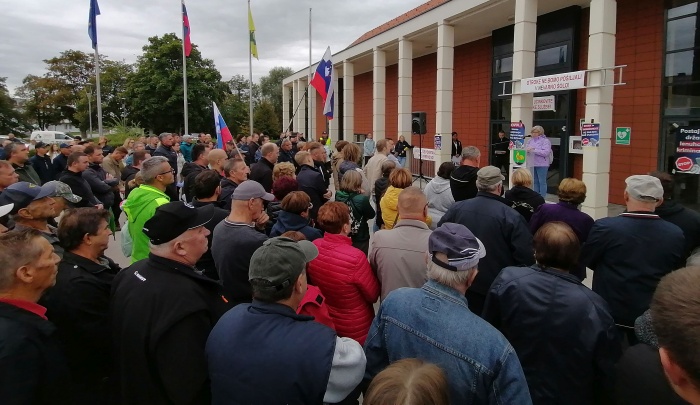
(127, 242)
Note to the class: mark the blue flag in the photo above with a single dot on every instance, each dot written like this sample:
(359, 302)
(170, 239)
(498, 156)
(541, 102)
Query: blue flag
(92, 24)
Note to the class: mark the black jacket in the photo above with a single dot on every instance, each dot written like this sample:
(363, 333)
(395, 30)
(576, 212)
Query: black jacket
(262, 173)
(401, 147)
(228, 186)
(548, 314)
(32, 370)
(128, 174)
(102, 188)
(456, 147)
(287, 157)
(217, 214)
(43, 167)
(60, 163)
(162, 312)
(311, 182)
(190, 171)
(629, 254)
(380, 187)
(684, 218)
(80, 187)
(463, 183)
(168, 153)
(325, 171)
(524, 200)
(500, 228)
(79, 307)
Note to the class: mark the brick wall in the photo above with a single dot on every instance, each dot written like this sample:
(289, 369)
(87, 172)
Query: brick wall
(363, 103)
(392, 101)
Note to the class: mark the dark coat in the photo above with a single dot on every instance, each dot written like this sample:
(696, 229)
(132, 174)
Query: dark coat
(80, 187)
(288, 221)
(524, 200)
(380, 187)
(500, 228)
(60, 163)
(262, 173)
(684, 218)
(252, 149)
(287, 156)
(311, 182)
(217, 214)
(33, 371)
(43, 167)
(190, 171)
(325, 171)
(27, 173)
(463, 183)
(629, 254)
(102, 188)
(548, 314)
(128, 174)
(162, 313)
(169, 153)
(401, 147)
(228, 186)
(456, 147)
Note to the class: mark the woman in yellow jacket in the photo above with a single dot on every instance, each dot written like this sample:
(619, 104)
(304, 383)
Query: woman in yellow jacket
(399, 179)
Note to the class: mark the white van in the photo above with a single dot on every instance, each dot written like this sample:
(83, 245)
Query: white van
(50, 137)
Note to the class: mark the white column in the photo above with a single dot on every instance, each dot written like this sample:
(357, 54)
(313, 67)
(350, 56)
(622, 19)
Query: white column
(333, 127)
(285, 106)
(524, 43)
(379, 95)
(301, 114)
(348, 101)
(405, 87)
(599, 106)
(295, 103)
(443, 102)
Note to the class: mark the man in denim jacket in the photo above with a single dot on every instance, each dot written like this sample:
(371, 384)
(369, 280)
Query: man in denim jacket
(434, 323)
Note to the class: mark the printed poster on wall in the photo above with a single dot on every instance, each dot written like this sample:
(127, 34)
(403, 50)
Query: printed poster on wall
(688, 150)
(517, 135)
(590, 134)
(438, 142)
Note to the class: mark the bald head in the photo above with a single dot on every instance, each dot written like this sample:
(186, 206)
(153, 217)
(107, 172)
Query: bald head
(412, 204)
(216, 158)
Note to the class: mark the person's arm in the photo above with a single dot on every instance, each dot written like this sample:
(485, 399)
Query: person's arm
(592, 250)
(543, 148)
(375, 348)
(492, 309)
(367, 210)
(521, 243)
(347, 370)
(448, 217)
(509, 385)
(96, 184)
(366, 281)
(20, 372)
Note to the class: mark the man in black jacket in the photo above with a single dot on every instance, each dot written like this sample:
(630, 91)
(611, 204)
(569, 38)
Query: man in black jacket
(200, 157)
(456, 149)
(166, 149)
(463, 178)
(60, 162)
(130, 171)
(320, 157)
(101, 183)
(42, 163)
(686, 219)
(262, 170)
(311, 182)
(236, 172)
(73, 176)
(500, 228)
(162, 312)
(206, 190)
(33, 369)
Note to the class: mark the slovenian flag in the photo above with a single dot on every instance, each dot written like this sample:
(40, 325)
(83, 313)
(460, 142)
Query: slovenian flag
(223, 134)
(323, 83)
(92, 22)
(186, 30)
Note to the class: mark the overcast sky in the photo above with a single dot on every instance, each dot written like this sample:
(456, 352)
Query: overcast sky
(34, 30)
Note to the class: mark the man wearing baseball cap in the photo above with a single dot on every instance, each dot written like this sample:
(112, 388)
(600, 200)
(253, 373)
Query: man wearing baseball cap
(162, 312)
(238, 236)
(63, 196)
(434, 323)
(502, 229)
(60, 162)
(42, 162)
(630, 253)
(265, 353)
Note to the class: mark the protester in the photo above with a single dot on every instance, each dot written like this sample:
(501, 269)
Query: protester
(399, 179)
(626, 273)
(206, 191)
(79, 302)
(73, 176)
(264, 353)
(165, 149)
(238, 236)
(373, 167)
(368, 148)
(456, 149)
(190, 170)
(8, 176)
(503, 231)
(295, 216)
(60, 162)
(253, 147)
(33, 369)
(285, 169)
(581, 343)
(409, 381)
(130, 171)
(343, 274)
(351, 155)
(152, 144)
(281, 187)
(439, 194)
(319, 156)
(101, 183)
(103, 146)
(217, 158)
(523, 199)
(138, 146)
(143, 202)
(41, 162)
(235, 173)
(463, 178)
(539, 149)
(686, 219)
(188, 142)
(311, 182)
(501, 153)
(433, 323)
(351, 193)
(63, 197)
(380, 186)
(336, 160)
(113, 164)
(18, 155)
(162, 312)
(286, 152)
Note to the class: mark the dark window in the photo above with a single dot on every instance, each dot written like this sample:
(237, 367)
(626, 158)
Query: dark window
(551, 56)
(680, 34)
(503, 65)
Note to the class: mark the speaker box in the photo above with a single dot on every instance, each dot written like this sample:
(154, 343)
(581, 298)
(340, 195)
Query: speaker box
(418, 123)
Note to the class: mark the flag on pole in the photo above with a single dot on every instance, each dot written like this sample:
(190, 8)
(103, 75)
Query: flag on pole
(323, 83)
(223, 134)
(186, 30)
(92, 23)
(251, 29)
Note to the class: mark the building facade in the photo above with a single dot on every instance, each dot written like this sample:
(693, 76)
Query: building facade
(461, 62)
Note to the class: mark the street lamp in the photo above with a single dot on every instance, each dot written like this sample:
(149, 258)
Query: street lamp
(89, 89)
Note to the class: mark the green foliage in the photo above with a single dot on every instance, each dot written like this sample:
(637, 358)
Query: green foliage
(271, 88)
(266, 120)
(10, 118)
(123, 129)
(40, 94)
(113, 79)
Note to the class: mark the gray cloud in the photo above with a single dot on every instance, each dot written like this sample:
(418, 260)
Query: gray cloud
(35, 30)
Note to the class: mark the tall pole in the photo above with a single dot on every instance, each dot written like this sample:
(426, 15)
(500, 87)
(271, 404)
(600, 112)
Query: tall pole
(310, 114)
(184, 80)
(90, 110)
(250, 79)
(99, 94)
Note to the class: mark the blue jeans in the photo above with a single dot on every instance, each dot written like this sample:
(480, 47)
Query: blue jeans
(402, 161)
(539, 175)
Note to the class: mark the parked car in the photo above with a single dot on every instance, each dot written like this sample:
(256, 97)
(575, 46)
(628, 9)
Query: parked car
(50, 137)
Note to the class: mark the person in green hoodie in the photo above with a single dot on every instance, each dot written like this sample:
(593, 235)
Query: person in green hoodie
(361, 211)
(143, 201)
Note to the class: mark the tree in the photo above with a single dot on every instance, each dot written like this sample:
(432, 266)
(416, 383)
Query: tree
(113, 81)
(70, 73)
(266, 120)
(154, 92)
(271, 88)
(235, 113)
(41, 98)
(11, 119)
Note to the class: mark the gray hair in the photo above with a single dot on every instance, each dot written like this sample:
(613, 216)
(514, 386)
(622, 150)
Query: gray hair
(286, 141)
(449, 278)
(164, 135)
(538, 128)
(488, 189)
(17, 249)
(470, 153)
(150, 169)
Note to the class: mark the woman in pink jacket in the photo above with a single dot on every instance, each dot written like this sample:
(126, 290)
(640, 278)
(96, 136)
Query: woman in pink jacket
(343, 274)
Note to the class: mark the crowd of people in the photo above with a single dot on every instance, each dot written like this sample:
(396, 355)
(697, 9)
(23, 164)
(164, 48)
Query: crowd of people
(254, 278)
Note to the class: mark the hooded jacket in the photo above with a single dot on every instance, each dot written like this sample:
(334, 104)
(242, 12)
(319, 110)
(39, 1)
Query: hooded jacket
(463, 183)
(361, 210)
(288, 221)
(440, 199)
(525, 200)
(684, 218)
(139, 208)
(228, 186)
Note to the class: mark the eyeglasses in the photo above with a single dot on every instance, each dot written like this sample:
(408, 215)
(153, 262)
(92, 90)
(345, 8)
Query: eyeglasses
(169, 171)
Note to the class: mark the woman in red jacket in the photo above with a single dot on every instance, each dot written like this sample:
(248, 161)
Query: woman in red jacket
(343, 274)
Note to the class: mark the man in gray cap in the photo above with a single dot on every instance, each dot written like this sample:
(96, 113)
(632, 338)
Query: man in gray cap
(264, 353)
(502, 229)
(238, 236)
(630, 253)
(434, 323)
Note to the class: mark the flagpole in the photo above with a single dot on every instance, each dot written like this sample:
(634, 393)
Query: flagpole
(98, 92)
(184, 75)
(250, 82)
(311, 114)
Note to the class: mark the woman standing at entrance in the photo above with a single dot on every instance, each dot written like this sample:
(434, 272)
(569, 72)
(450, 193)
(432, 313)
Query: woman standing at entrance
(539, 151)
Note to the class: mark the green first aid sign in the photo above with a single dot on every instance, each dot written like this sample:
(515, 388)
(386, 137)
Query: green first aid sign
(623, 135)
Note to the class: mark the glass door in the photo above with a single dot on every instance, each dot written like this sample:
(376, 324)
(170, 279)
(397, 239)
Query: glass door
(556, 131)
(685, 190)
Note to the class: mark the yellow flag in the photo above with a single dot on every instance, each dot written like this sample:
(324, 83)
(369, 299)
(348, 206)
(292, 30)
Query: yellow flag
(251, 29)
